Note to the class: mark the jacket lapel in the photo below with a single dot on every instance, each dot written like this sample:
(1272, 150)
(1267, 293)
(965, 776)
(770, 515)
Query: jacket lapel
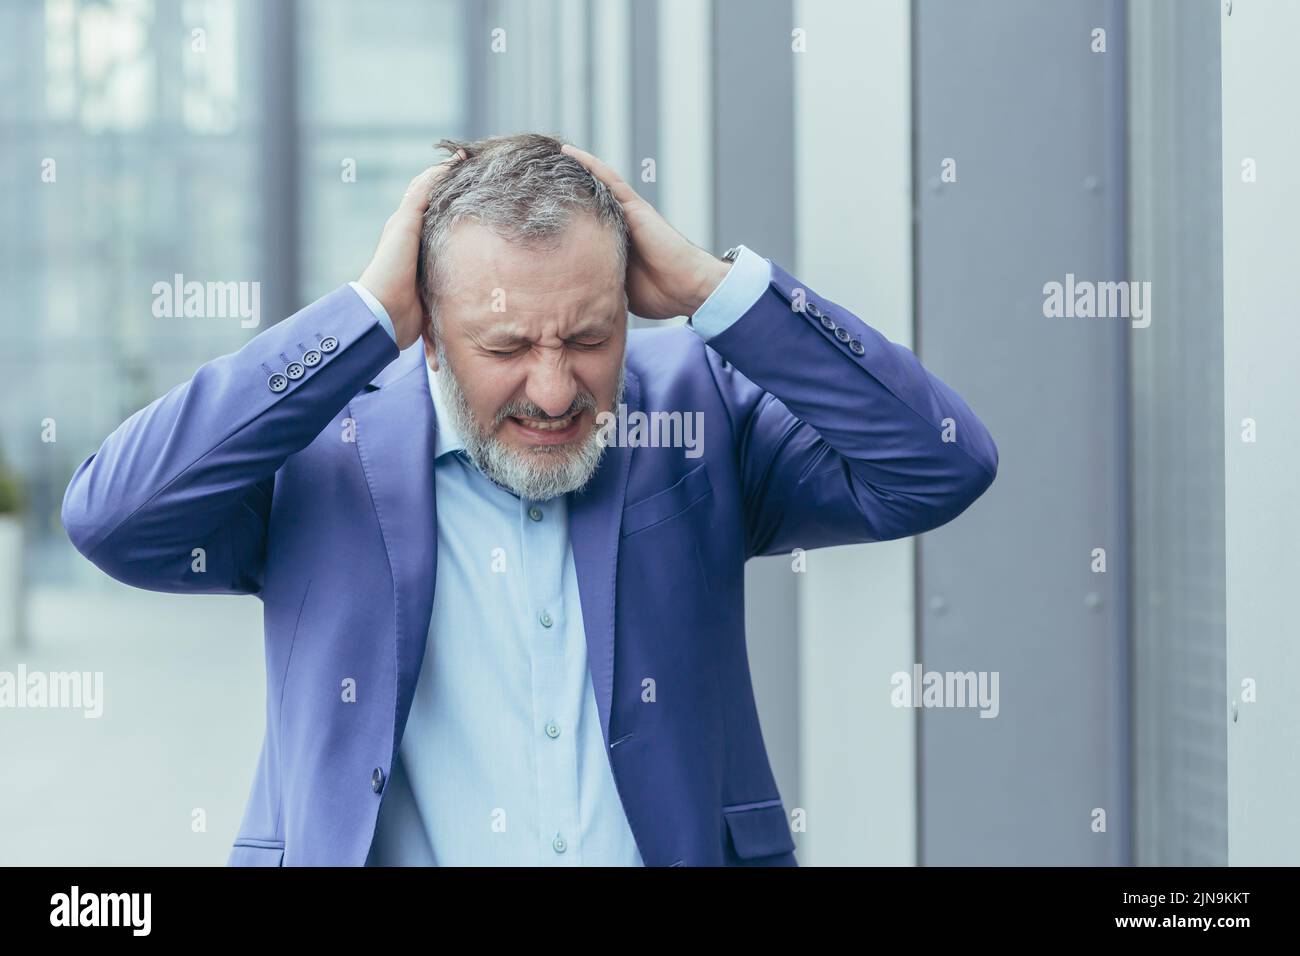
(595, 518)
(395, 426)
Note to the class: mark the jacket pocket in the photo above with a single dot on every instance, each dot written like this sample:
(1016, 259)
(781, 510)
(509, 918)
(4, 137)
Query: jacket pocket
(758, 830)
(669, 503)
(256, 853)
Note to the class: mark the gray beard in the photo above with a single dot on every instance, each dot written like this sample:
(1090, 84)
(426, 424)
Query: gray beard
(537, 474)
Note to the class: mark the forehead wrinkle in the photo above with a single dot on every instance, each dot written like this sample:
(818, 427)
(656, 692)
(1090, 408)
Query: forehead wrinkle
(481, 260)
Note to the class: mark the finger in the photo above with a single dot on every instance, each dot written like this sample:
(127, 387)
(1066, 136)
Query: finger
(594, 165)
(436, 172)
(416, 197)
(602, 171)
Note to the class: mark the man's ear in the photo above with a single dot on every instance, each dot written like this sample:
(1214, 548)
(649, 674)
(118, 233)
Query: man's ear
(430, 343)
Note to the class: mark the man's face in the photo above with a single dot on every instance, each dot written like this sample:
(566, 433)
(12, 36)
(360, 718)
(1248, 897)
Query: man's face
(531, 349)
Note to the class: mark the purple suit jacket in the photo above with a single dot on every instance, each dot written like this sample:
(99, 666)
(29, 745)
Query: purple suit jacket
(315, 491)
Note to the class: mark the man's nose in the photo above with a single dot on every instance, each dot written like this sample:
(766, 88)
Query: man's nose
(551, 387)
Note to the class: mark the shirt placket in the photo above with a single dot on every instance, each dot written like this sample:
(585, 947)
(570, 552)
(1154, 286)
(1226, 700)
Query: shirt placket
(543, 536)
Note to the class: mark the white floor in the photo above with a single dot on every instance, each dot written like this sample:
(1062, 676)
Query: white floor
(183, 685)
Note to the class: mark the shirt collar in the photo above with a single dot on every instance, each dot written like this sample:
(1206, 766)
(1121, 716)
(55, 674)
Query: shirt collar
(446, 439)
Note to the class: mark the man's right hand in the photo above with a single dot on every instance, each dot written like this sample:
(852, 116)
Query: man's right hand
(390, 277)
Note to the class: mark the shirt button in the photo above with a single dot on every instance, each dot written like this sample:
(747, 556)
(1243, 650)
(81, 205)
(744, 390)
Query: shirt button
(535, 513)
(545, 618)
(552, 730)
(558, 844)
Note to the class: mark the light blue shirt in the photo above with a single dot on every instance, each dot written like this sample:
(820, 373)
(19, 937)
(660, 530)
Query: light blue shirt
(503, 762)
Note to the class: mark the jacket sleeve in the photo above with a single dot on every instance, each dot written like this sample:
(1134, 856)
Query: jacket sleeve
(841, 435)
(196, 468)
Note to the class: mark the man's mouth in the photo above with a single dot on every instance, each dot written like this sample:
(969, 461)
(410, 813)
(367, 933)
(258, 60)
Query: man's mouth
(547, 425)
(547, 431)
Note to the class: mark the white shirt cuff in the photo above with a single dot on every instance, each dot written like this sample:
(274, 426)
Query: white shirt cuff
(376, 307)
(746, 280)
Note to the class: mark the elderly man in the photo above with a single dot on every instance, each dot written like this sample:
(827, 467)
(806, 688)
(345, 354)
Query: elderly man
(497, 631)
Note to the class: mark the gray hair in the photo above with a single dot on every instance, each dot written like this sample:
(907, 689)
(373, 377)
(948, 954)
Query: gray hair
(523, 189)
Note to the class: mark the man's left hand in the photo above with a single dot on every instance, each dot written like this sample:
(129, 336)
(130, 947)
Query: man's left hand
(667, 274)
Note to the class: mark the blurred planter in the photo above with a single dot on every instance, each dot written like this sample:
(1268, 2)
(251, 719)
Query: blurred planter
(11, 560)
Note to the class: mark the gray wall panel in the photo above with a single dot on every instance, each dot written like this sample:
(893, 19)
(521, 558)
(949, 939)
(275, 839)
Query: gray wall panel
(1261, 341)
(1176, 233)
(1034, 120)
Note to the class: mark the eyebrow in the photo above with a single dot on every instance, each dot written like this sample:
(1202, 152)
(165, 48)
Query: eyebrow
(501, 338)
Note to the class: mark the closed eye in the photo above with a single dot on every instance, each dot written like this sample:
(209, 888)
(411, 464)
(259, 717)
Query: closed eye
(584, 346)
